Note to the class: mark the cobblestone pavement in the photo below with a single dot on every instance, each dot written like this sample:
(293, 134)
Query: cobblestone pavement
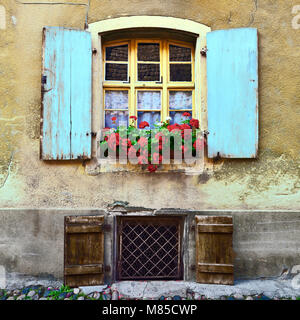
(39, 292)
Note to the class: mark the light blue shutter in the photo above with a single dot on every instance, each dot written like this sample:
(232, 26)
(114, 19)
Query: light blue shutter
(67, 94)
(232, 93)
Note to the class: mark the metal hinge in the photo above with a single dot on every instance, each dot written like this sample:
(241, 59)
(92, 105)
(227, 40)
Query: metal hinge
(106, 228)
(107, 269)
(203, 51)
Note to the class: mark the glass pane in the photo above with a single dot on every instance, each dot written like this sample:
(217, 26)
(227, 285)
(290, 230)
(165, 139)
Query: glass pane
(178, 53)
(181, 72)
(115, 99)
(113, 119)
(117, 53)
(116, 71)
(178, 117)
(151, 117)
(148, 52)
(148, 72)
(148, 100)
(181, 100)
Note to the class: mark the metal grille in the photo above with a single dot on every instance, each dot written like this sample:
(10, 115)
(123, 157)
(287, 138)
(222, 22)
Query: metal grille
(149, 248)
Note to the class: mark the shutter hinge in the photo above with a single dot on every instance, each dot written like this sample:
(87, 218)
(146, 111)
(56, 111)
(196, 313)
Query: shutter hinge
(106, 228)
(203, 51)
(193, 267)
(107, 269)
(193, 228)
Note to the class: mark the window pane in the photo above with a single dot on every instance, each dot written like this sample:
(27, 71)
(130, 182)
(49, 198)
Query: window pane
(115, 99)
(121, 119)
(117, 53)
(181, 100)
(148, 100)
(148, 52)
(178, 53)
(181, 72)
(116, 71)
(151, 117)
(148, 72)
(177, 116)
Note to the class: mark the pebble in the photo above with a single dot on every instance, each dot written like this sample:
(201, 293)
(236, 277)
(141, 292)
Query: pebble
(42, 298)
(238, 297)
(31, 293)
(16, 292)
(12, 298)
(249, 298)
(76, 290)
(96, 295)
(80, 298)
(197, 296)
(35, 297)
(115, 295)
(21, 297)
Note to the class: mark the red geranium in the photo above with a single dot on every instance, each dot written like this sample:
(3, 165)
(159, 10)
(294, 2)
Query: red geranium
(199, 144)
(175, 126)
(132, 153)
(157, 158)
(186, 114)
(142, 160)
(194, 123)
(126, 143)
(143, 142)
(113, 141)
(133, 117)
(152, 168)
(143, 125)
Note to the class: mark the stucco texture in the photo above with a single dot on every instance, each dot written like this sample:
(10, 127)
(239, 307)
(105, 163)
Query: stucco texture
(269, 182)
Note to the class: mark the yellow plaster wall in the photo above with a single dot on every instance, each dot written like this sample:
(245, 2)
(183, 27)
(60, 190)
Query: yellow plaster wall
(269, 182)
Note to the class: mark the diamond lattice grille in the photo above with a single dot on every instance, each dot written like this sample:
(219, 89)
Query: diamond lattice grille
(149, 250)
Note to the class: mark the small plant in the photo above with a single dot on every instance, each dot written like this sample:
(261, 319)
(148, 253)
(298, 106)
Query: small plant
(56, 293)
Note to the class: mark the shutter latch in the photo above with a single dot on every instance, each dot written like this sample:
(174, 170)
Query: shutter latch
(203, 51)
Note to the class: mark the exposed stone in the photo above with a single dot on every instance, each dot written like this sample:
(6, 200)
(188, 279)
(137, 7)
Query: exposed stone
(115, 295)
(35, 297)
(31, 293)
(238, 297)
(249, 298)
(21, 297)
(76, 290)
(80, 298)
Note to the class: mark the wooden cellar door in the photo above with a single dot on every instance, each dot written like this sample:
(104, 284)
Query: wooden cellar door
(84, 251)
(214, 253)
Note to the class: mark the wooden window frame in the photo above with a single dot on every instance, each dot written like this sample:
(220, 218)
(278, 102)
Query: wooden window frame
(99, 28)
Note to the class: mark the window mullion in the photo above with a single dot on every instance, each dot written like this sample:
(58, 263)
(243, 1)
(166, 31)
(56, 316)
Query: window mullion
(164, 66)
(132, 63)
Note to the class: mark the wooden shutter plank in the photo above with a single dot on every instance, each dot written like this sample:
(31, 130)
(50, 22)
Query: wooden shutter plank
(83, 228)
(232, 97)
(81, 94)
(86, 269)
(56, 95)
(215, 228)
(214, 254)
(84, 250)
(66, 101)
(215, 268)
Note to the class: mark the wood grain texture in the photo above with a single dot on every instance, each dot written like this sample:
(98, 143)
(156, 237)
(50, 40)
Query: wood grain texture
(232, 96)
(84, 251)
(214, 253)
(66, 94)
